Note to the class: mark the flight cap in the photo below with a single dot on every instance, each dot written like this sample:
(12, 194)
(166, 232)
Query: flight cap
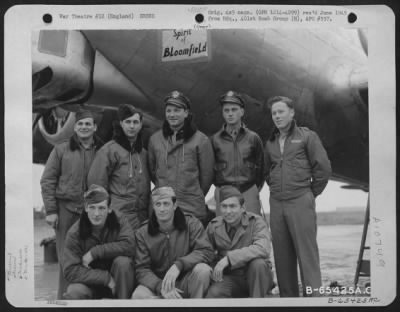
(161, 193)
(82, 114)
(228, 191)
(95, 194)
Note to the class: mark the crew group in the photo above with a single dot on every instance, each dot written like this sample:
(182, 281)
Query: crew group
(111, 242)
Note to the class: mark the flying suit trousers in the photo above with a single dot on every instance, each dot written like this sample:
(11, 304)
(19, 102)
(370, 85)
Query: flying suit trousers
(294, 238)
(255, 281)
(123, 274)
(194, 284)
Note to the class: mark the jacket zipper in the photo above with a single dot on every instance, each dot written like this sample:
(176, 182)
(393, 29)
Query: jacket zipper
(281, 161)
(140, 163)
(282, 158)
(130, 164)
(235, 158)
(177, 170)
(166, 154)
(169, 246)
(236, 153)
(166, 163)
(83, 170)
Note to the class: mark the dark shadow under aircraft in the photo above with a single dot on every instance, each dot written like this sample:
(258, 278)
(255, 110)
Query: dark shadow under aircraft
(323, 70)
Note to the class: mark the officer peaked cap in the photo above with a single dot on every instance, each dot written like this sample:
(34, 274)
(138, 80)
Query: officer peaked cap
(178, 99)
(232, 97)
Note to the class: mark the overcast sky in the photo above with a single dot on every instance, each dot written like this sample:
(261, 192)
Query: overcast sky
(333, 196)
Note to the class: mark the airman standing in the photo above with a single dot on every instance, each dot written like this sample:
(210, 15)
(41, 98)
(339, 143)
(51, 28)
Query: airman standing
(238, 153)
(181, 156)
(297, 170)
(64, 181)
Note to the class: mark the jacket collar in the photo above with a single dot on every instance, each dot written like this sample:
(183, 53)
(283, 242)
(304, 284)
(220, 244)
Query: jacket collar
(120, 137)
(275, 131)
(153, 227)
(85, 227)
(242, 129)
(75, 145)
(220, 229)
(186, 132)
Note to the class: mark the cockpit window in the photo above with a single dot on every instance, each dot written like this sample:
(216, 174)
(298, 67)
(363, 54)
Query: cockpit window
(53, 42)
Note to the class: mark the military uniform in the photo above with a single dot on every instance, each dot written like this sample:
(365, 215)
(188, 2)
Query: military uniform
(248, 252)
(121, 168)
(184, 162)
(295, 177)
(187, 247)
(112, 250)
(63, 183)
(239, 160)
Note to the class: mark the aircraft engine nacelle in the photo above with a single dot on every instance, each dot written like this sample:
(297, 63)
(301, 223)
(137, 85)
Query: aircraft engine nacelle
(62, 67)
(68, 74)
(62, 64)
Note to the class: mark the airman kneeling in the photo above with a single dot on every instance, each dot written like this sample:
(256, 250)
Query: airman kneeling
(99, 247)
(243, 245)
(172, 252)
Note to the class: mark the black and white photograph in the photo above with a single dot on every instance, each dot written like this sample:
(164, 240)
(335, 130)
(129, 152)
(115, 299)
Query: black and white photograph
(176, 163)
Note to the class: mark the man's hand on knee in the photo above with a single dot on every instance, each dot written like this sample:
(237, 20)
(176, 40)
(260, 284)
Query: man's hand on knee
(168, 283)
(218, 271)
(111, 285)
(173, 294)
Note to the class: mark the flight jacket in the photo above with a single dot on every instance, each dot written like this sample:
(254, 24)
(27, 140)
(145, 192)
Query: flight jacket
(186, 245)
(64, 177)
(116, 239)
(239, 161)
(252, 240)
(122, 169)
(304, 165)
(186, 166)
